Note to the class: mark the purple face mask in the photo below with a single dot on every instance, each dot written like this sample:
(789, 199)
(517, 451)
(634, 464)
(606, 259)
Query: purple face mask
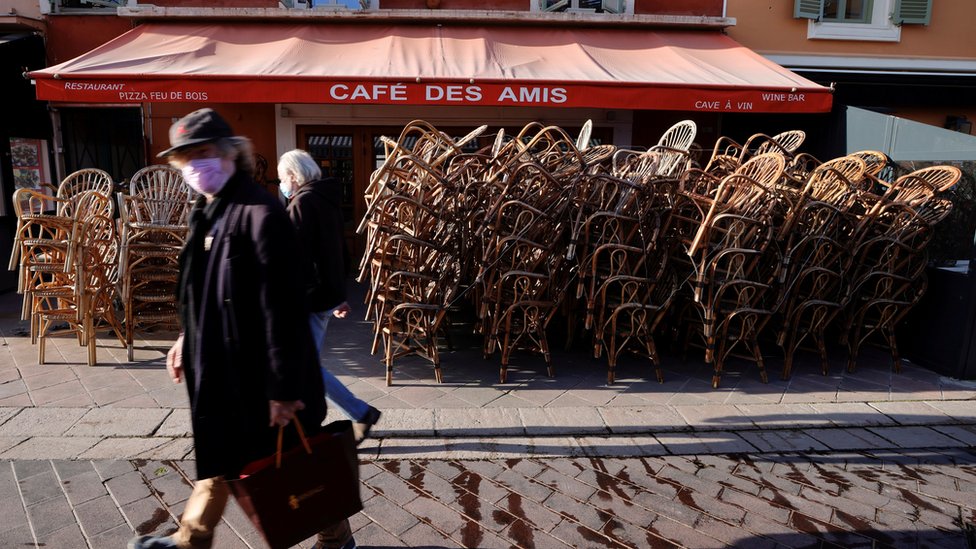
(205, 175)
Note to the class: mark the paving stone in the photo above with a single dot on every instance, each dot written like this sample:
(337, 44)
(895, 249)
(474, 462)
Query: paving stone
(50, 448)
(176, 424)
(852, 414)
(911, 413)
(557, 420)
(963, 433)
(6, 443)
(40, 487)
(49, 515)
(681, 534)
(118, 422)
(69, 536)
(7, 412)
(18, 536)
(575, 488)
(782, 441)
(960, 410)
(148, 516)
(478, 422)
(128, 488)
(394, 488)
(848, 439)
(99, 514)
(390, 514)
(378, 536)
(172, 449)
(117, 536)
(764, 528)
(108, 469)
(642, 419)
(27, 468)
(515, 482)
(731, 535)
(434, 512)
(785, 415)
(917, 437)
(82, 487)
(424, 535)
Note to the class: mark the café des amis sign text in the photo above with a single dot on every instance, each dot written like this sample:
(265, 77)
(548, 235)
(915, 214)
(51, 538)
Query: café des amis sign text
(623, 96)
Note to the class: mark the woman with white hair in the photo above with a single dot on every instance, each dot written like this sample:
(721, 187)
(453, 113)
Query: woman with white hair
(314, 205)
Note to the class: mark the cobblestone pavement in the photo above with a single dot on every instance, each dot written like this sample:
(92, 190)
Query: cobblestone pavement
(923, 498)
(872, 458)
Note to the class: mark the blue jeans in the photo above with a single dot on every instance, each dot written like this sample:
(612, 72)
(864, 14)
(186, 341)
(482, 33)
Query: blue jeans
(335, 391)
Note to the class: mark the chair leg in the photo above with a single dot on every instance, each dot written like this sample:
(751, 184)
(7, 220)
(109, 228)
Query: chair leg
(757, 353)
(822, 348)
(893, 344)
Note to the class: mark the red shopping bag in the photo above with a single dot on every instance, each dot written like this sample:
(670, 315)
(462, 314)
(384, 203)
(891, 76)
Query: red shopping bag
(291, 495)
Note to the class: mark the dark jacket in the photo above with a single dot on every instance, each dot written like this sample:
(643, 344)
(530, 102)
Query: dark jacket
(247, 338)
(316, 211)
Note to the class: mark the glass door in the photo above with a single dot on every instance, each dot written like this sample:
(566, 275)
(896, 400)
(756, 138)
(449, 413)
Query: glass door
(335, 149)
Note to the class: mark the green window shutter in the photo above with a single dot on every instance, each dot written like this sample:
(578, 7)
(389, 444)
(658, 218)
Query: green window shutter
(913, 12)
(808, 9)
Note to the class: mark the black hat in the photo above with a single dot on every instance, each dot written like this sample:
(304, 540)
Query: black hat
(199, 126)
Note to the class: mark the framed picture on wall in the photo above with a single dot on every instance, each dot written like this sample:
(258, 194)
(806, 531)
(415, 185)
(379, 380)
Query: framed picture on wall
(31, 169)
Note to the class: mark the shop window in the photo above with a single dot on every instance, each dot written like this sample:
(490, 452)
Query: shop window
(867, 20)
(584, 6)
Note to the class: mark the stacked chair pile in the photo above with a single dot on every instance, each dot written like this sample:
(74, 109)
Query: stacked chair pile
(154, 220)
(90, 261)
(758, 242)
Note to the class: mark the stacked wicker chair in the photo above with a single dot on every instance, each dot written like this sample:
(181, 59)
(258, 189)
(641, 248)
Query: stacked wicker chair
(723, 236)
(887, 271)
(42, 243)
(728, 155)
(83, 301)
(817, 256)
(413, 244)
(154, 224)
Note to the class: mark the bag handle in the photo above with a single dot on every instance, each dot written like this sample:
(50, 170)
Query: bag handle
(301, 436)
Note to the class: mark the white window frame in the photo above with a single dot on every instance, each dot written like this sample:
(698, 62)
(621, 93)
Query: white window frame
(880, 29)
(534, 6)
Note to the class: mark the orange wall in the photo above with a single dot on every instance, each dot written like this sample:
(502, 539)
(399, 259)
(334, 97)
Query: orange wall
(768, 27)
(709, 8)
(254, 121)
(513, 5)
(927, 116)
(69, 36)
(215, 3)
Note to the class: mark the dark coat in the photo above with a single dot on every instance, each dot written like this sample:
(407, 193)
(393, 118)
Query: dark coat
(249, 341)
(316, 212)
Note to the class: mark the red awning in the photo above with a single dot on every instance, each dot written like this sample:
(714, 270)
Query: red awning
(430, 65)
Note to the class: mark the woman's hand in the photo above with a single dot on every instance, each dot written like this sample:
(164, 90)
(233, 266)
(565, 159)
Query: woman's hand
(342, 310)
(174, 360)
(283, 411)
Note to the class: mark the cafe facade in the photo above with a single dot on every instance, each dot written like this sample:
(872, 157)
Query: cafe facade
(334, 80)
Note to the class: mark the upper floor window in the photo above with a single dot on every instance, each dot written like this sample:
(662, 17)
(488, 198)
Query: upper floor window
(340, 4)
(72, 5)
(584, 6)
(332, 4)
(870, 20)
(847, 11)
(347, 4)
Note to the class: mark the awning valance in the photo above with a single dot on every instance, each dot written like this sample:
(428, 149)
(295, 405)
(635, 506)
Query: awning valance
(430, 65)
